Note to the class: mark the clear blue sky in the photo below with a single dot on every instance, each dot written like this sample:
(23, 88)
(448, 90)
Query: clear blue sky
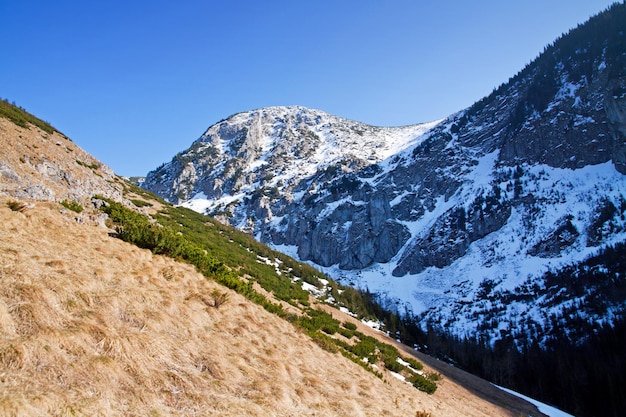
(134, 82)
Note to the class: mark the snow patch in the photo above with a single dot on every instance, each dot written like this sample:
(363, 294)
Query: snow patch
(544, 408)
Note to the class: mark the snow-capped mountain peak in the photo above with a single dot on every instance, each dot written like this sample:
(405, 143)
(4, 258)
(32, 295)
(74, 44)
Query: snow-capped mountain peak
(274, 147)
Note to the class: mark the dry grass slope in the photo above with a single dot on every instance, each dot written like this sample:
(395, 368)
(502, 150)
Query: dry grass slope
(93, 326)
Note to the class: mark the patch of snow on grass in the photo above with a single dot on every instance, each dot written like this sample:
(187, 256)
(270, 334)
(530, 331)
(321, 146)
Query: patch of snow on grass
(371, 323)
(544, 408)
(398, 376)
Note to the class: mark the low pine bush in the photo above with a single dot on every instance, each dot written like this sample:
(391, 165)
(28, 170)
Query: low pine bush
(72, 205)
(349, 325)
(422, 383)
(218, 298)
(315, 320)
(140, 203)
(393, 365)
(325, 342)
(21, 117)
(414, 363)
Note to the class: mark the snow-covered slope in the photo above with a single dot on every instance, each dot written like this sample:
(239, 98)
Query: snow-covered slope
(463, 222)
(497, 285)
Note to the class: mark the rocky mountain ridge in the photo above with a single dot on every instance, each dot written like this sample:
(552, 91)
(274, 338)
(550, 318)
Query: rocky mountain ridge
(528, 180)
(274, 147)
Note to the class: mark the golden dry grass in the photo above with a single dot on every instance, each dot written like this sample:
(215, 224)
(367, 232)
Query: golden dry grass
(92, 326)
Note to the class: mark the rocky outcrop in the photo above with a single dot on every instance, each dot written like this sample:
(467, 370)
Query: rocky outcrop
(451, 236)
(564, 235)
(40, 165)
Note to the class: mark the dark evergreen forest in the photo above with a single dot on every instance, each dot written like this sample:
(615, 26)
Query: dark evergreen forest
(582, 372)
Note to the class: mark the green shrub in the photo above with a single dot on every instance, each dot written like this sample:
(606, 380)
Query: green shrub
(433, 376)
(422, 383)
(141, 203)
(130, 187)
(92, 166)
(315, 320)
(325, 342)
(365, 348)
(349, 325)
(414, 363)
(218, 298)
(72, 205)
(21, 117)
(365, 365)
(348, 334)
(393, 365)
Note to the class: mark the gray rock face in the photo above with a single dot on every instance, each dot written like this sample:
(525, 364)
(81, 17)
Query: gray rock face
(8, 174)
(451, 236)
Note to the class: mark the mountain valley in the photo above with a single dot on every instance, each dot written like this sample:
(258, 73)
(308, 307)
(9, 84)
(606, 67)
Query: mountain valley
(293, 262)
(502, 225)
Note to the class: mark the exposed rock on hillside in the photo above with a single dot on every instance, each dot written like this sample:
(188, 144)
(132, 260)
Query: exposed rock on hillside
(48, 166)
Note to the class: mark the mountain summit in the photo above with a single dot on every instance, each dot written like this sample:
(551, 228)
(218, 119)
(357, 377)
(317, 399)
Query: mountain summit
(274, 147)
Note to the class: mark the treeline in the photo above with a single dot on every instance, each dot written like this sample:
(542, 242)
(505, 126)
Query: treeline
(585, 378)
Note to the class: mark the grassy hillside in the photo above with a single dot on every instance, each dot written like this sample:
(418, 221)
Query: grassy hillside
(192, 318)
(238, 262)
(22, 118)
(91, 325)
